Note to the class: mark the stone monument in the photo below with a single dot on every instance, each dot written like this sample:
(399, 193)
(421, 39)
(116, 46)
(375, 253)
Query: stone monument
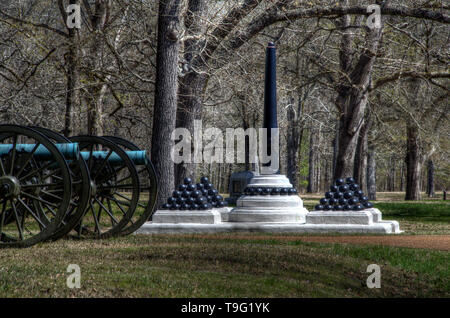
(264, 200)
(269, 202)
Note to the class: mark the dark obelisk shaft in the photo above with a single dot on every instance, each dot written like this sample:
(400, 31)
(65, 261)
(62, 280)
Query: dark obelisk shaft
(270, 94)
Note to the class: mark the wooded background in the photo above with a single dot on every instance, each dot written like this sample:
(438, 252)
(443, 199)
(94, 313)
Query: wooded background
(352, 100)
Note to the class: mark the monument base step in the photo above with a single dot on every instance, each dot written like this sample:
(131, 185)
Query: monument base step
(383, 227)
(212, 216)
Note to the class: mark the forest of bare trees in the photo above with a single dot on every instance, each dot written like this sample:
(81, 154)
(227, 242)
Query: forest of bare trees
(354, 99)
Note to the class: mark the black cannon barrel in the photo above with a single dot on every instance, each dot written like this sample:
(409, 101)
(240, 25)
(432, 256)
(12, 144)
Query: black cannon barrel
(270, 95)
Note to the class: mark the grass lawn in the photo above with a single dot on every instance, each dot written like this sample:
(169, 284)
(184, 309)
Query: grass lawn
(194, 266)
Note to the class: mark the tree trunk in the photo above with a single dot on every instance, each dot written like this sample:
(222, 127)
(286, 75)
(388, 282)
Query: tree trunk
(352, 96)
(73, 78)
(430, 183)
(371, 173)
(335, 147)
(360, 165)
(193, 81)
(413, 163)
(165, 95)
(313, 161)
(294, 140)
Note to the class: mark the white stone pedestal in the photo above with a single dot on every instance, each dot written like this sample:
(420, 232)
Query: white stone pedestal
(269, 208)
(370, 219)
(212, 216)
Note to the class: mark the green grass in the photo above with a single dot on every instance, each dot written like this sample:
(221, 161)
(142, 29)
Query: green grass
(429, 212)
(192, 266)
(170, 266)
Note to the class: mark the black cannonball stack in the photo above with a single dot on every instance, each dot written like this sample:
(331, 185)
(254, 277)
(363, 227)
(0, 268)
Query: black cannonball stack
(269, 191)
(344, 195)
(191, 196)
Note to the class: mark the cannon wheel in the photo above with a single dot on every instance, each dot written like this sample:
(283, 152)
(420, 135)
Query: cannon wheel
(81, 189)
(149, 189)
(24, 184)
(106, 183)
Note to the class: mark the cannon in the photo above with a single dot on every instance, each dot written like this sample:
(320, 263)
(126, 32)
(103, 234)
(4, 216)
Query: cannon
(84, 186)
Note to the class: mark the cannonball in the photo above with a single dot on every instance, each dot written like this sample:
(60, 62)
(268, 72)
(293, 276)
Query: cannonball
(166, 206)
(359, 193)
(324, 201)
(328, 207)
(343, 201)
(186, 194)
(292, 191)
(319, 207)
(191, 187)
(348, 195)
(332, 201)
(348, 207)
(258, 190)
(200, 186)
(338, 208)
(354, 187)
(344, 188)
(276, 191)
(176, 194)
(334, 188)
(172, 200)
(187, 181)
(266, 191)
(338, 195)
(204, 180)
(340, 182)
(368, 205)
(196, 194)
(181, 200)
(200, 200)
(329, 194)
(350, 180)
(284, 191)
(182, 187)
(353, 200)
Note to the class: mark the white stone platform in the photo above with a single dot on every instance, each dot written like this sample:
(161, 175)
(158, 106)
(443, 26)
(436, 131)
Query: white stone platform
(212, 216)
(269, 208)
(366, 221)
(385, 227)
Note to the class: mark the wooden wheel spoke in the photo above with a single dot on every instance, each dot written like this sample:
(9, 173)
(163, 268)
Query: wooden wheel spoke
(38, 199)
(122, 196)
(97, 225)
(13, 155)
(38, 220)
(103, 164)
(113, 219)
(16, 218)
(30, 155)
(2, 220)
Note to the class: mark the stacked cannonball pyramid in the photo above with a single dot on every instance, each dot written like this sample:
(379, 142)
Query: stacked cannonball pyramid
(269, 191)
(191, 196)
(344, 195)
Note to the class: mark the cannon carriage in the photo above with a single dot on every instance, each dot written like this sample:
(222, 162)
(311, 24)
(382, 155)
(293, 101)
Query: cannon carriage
(84, 186)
